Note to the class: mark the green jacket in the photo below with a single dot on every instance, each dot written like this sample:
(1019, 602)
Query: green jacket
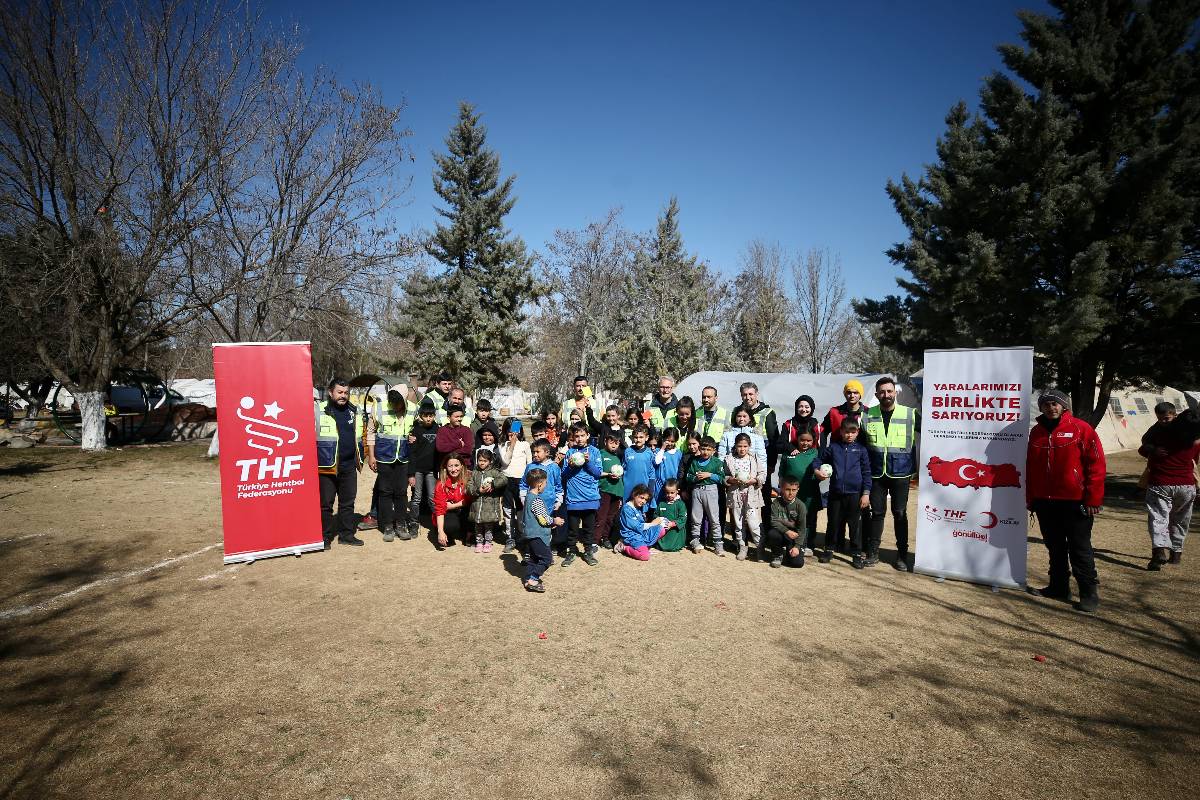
(486, 507)
(674, 539)
(787, 516)
(713, 465)
(611, 485)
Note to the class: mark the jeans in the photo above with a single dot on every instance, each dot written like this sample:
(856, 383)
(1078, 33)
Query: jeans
(880, 489)
(513, 508)
(537, 558)
(606, 518)
(426, 482)
(392, 485)
(1169, 513)
(1067, 532)
(342, 486)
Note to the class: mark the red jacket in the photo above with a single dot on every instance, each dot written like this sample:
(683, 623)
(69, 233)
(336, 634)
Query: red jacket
(448, 492)
(1066, 463)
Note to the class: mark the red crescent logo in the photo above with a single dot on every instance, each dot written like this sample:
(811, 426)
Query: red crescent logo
(992, 519)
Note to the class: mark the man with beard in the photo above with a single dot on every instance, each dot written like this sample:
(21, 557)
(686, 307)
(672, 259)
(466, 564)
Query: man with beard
(766, 426)
(339, 429)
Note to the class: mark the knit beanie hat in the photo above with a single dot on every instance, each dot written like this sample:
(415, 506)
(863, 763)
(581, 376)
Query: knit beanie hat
(1056, 396)
(853, 385)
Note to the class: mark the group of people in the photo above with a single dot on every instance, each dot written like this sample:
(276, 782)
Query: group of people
(677, 475)
(673, 475)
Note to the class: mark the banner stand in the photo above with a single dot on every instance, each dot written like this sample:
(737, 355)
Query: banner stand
(250, 558)
(972, 524)
(270, 495)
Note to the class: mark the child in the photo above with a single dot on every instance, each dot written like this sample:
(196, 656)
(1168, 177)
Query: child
(611, 424)
(705, 474)
(636, 533)
(802, 465)
(488, 438)
(744, 479)
(612, 488)
(543, 459)
(672, 508)
(454, 438)
(483, 416)
(516, 455)
(632, 420)
(666, 464)
(638, 460)
(743, 422)
(422, 463)
(536, 526)
(581, 485)
(849, 490)
(450, 500)
(786, 535)
(487, 487)
(554, 432)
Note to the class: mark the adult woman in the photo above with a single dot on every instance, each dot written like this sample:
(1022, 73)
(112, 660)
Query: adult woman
(450, 501)
(802, 420)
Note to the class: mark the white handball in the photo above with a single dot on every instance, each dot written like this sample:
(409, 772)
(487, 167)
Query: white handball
(577, 459)
(616, 471)
(825, 471)
(742, 475)
(487, 483)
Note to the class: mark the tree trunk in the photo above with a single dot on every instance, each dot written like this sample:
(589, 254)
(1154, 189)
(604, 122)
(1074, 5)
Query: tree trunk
(91, 409)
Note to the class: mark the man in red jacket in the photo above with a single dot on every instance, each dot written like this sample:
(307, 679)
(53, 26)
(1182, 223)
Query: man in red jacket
(1065, 487)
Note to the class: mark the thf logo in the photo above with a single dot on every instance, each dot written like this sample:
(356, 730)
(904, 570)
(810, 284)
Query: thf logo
(267, 436)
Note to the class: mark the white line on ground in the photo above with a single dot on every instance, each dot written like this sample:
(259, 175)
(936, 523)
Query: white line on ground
(23, 538)
(22, 611)
(220, 572)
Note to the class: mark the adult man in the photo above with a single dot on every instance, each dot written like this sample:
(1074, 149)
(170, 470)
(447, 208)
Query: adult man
(457, 397)
(1064, 486)
(767, 426)
(439, 394)
(582, 400)
(1172, 448)
(339, 427)
(853, 407)
(892, 432)
(387, 455)
(663, 403)
(712, 418)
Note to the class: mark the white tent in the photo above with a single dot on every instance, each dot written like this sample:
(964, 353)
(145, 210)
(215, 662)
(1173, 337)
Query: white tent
(780, 389)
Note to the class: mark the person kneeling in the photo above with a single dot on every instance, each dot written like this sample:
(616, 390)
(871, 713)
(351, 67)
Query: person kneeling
(637, 535)
(786, 536)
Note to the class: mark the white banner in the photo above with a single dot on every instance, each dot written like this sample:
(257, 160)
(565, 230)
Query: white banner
(975, 418)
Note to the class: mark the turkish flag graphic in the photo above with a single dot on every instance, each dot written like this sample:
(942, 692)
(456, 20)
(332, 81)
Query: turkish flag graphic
(964, 472)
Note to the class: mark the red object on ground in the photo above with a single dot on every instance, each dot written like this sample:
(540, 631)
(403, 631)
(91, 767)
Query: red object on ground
(1039, 659)
(542, 635)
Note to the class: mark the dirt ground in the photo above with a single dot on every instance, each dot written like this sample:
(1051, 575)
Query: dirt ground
(134, 667)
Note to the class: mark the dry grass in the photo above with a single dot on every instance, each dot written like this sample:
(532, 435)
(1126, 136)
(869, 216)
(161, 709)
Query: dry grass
(396, 671)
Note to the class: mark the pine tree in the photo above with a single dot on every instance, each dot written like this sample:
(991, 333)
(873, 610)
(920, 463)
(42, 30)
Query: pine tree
(1065, 217)
(467, 318)
(675, 309)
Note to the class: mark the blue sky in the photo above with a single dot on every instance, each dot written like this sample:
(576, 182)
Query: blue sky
(780, 120)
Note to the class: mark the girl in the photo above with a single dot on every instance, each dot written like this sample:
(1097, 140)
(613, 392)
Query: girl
(743, 422)
(801, 465)
(516, 456)
(554, 429)
(638, 461)
(636, 534)
(666, 464)
(632, 420)
(745, 475)
(488, 438)
(487, 487)
(450, 501)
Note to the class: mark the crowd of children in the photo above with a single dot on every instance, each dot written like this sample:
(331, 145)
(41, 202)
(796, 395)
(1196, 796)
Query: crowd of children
(587, 483)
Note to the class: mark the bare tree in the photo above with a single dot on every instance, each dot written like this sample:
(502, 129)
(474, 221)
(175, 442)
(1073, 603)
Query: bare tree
(115, 120)
(763, 323)
(824, 319)
(588, 268)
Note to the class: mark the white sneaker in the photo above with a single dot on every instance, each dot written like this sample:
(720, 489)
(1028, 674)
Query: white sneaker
(743, 551)
(808, 551)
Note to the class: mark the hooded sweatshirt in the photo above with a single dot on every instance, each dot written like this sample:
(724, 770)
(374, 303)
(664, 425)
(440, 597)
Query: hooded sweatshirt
(757, 445)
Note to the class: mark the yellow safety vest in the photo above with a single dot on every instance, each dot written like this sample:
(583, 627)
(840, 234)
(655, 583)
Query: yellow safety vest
(657, 420)
(327, 435)
(760, 421)
(891, 451)
(714, 427)
(391, 434)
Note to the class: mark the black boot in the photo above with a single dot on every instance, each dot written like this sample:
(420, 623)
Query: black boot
(1055, 591)
(1158, 557)
(1089, 599)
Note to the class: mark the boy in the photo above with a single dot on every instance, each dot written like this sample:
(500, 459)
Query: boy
(422, 463)
(705, 475)
(849, 490)
(636, 533)
(611, 424)
(672, 508)
(581, 486)
(786, 536)
(638, 460)
(612, 488)
(744, 479)
(483, 415)
(487, 488)
(454, 438)
(801, 464)
(538, 522)
(543, 459)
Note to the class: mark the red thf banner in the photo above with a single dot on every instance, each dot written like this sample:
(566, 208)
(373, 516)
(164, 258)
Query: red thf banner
(270, 499)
